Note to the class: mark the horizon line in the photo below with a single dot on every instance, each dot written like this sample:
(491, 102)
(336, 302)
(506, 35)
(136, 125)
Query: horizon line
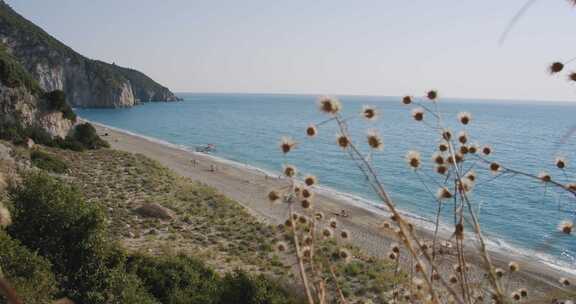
(448, 98)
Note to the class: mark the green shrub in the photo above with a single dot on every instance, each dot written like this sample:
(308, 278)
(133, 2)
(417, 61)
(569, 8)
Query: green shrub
(54, 220)
(48, 162)
(28, 272)
(240, 287)
(86, 134)
(13, 75)
(183, 279)
(178, 279)
(57, 102)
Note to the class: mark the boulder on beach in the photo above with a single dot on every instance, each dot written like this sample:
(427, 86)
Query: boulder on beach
(155, 211)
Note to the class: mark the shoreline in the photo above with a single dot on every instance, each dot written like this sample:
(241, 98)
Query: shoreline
(249, 186)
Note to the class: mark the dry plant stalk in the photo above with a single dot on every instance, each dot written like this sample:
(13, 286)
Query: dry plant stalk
(433, 285)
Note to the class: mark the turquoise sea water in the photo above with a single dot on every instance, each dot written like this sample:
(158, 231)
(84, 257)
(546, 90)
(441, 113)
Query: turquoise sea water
(518, 214)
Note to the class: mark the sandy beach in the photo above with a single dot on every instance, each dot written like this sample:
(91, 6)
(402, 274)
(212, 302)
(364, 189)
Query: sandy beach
(250, 188)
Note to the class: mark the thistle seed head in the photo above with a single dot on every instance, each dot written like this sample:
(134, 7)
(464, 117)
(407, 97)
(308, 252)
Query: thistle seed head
(311, 130)
(374, 140)
(432, 94)
(418, 114)
(369, 112)
(343, 141)
(413, 159)
(406, 100)
(329, 105)
(287, 144)
(464, 118)
(290, 171)
(310, 180)
(556, 67)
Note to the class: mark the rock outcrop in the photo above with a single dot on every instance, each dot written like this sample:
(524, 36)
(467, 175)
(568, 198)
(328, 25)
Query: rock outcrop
(86, 82)
(23, 103)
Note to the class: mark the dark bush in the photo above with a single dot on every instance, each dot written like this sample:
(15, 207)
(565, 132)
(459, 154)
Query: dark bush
(53, 219)
(240, 287)
(48, 162)
(57, 102)
(178, 279)
(183, 279)
(28, 272)
(86, 134)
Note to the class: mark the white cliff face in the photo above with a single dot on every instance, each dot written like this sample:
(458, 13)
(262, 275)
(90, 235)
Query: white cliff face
(54, 123)
(126, 96)
(49, 78)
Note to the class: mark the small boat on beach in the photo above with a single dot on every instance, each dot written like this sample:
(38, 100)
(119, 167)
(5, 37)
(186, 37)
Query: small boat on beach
(208, 148)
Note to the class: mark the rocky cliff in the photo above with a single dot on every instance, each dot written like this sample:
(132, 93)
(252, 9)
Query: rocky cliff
(23, 104)
(86, 82)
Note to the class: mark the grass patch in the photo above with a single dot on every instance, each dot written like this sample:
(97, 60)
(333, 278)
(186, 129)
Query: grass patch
(48, 162)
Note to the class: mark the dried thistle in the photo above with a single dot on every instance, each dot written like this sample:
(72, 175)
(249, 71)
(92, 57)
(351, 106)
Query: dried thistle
(560, 162)
(441, 169)
(374, 140)
(566, 226)
(286, 144)
(442, 147)
(310, 180)
(494, 167)
(437, 158)
(290, 171)
(486, 150)
(329, 105)
(311, 130)
(418, 114)
(281, 246)
(544, 177)
(369, 112)
(463, 137)
(413, 159)
(443, 193)
(464, 118)
(556, 67)
(345, 234)
(447, 135)
(343, 141)
(407, 100)
(432, 94)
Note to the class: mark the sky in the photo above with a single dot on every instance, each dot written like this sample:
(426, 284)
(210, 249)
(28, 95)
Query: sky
(362, 47)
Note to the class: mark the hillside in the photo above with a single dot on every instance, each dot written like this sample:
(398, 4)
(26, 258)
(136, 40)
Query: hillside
(25, 108)
(86, 82)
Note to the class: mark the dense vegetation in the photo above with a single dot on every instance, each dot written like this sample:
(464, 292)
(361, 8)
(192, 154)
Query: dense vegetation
(13, 75)
(48, 162)
(57, 102)
(58, 246)
(84, 137)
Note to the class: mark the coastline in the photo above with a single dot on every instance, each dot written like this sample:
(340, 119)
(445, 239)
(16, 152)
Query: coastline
(249, 186)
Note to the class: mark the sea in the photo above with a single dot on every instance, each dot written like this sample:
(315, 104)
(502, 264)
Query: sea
(519, 215)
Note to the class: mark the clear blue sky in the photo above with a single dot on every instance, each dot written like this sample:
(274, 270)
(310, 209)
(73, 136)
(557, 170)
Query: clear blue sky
(379, 47)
